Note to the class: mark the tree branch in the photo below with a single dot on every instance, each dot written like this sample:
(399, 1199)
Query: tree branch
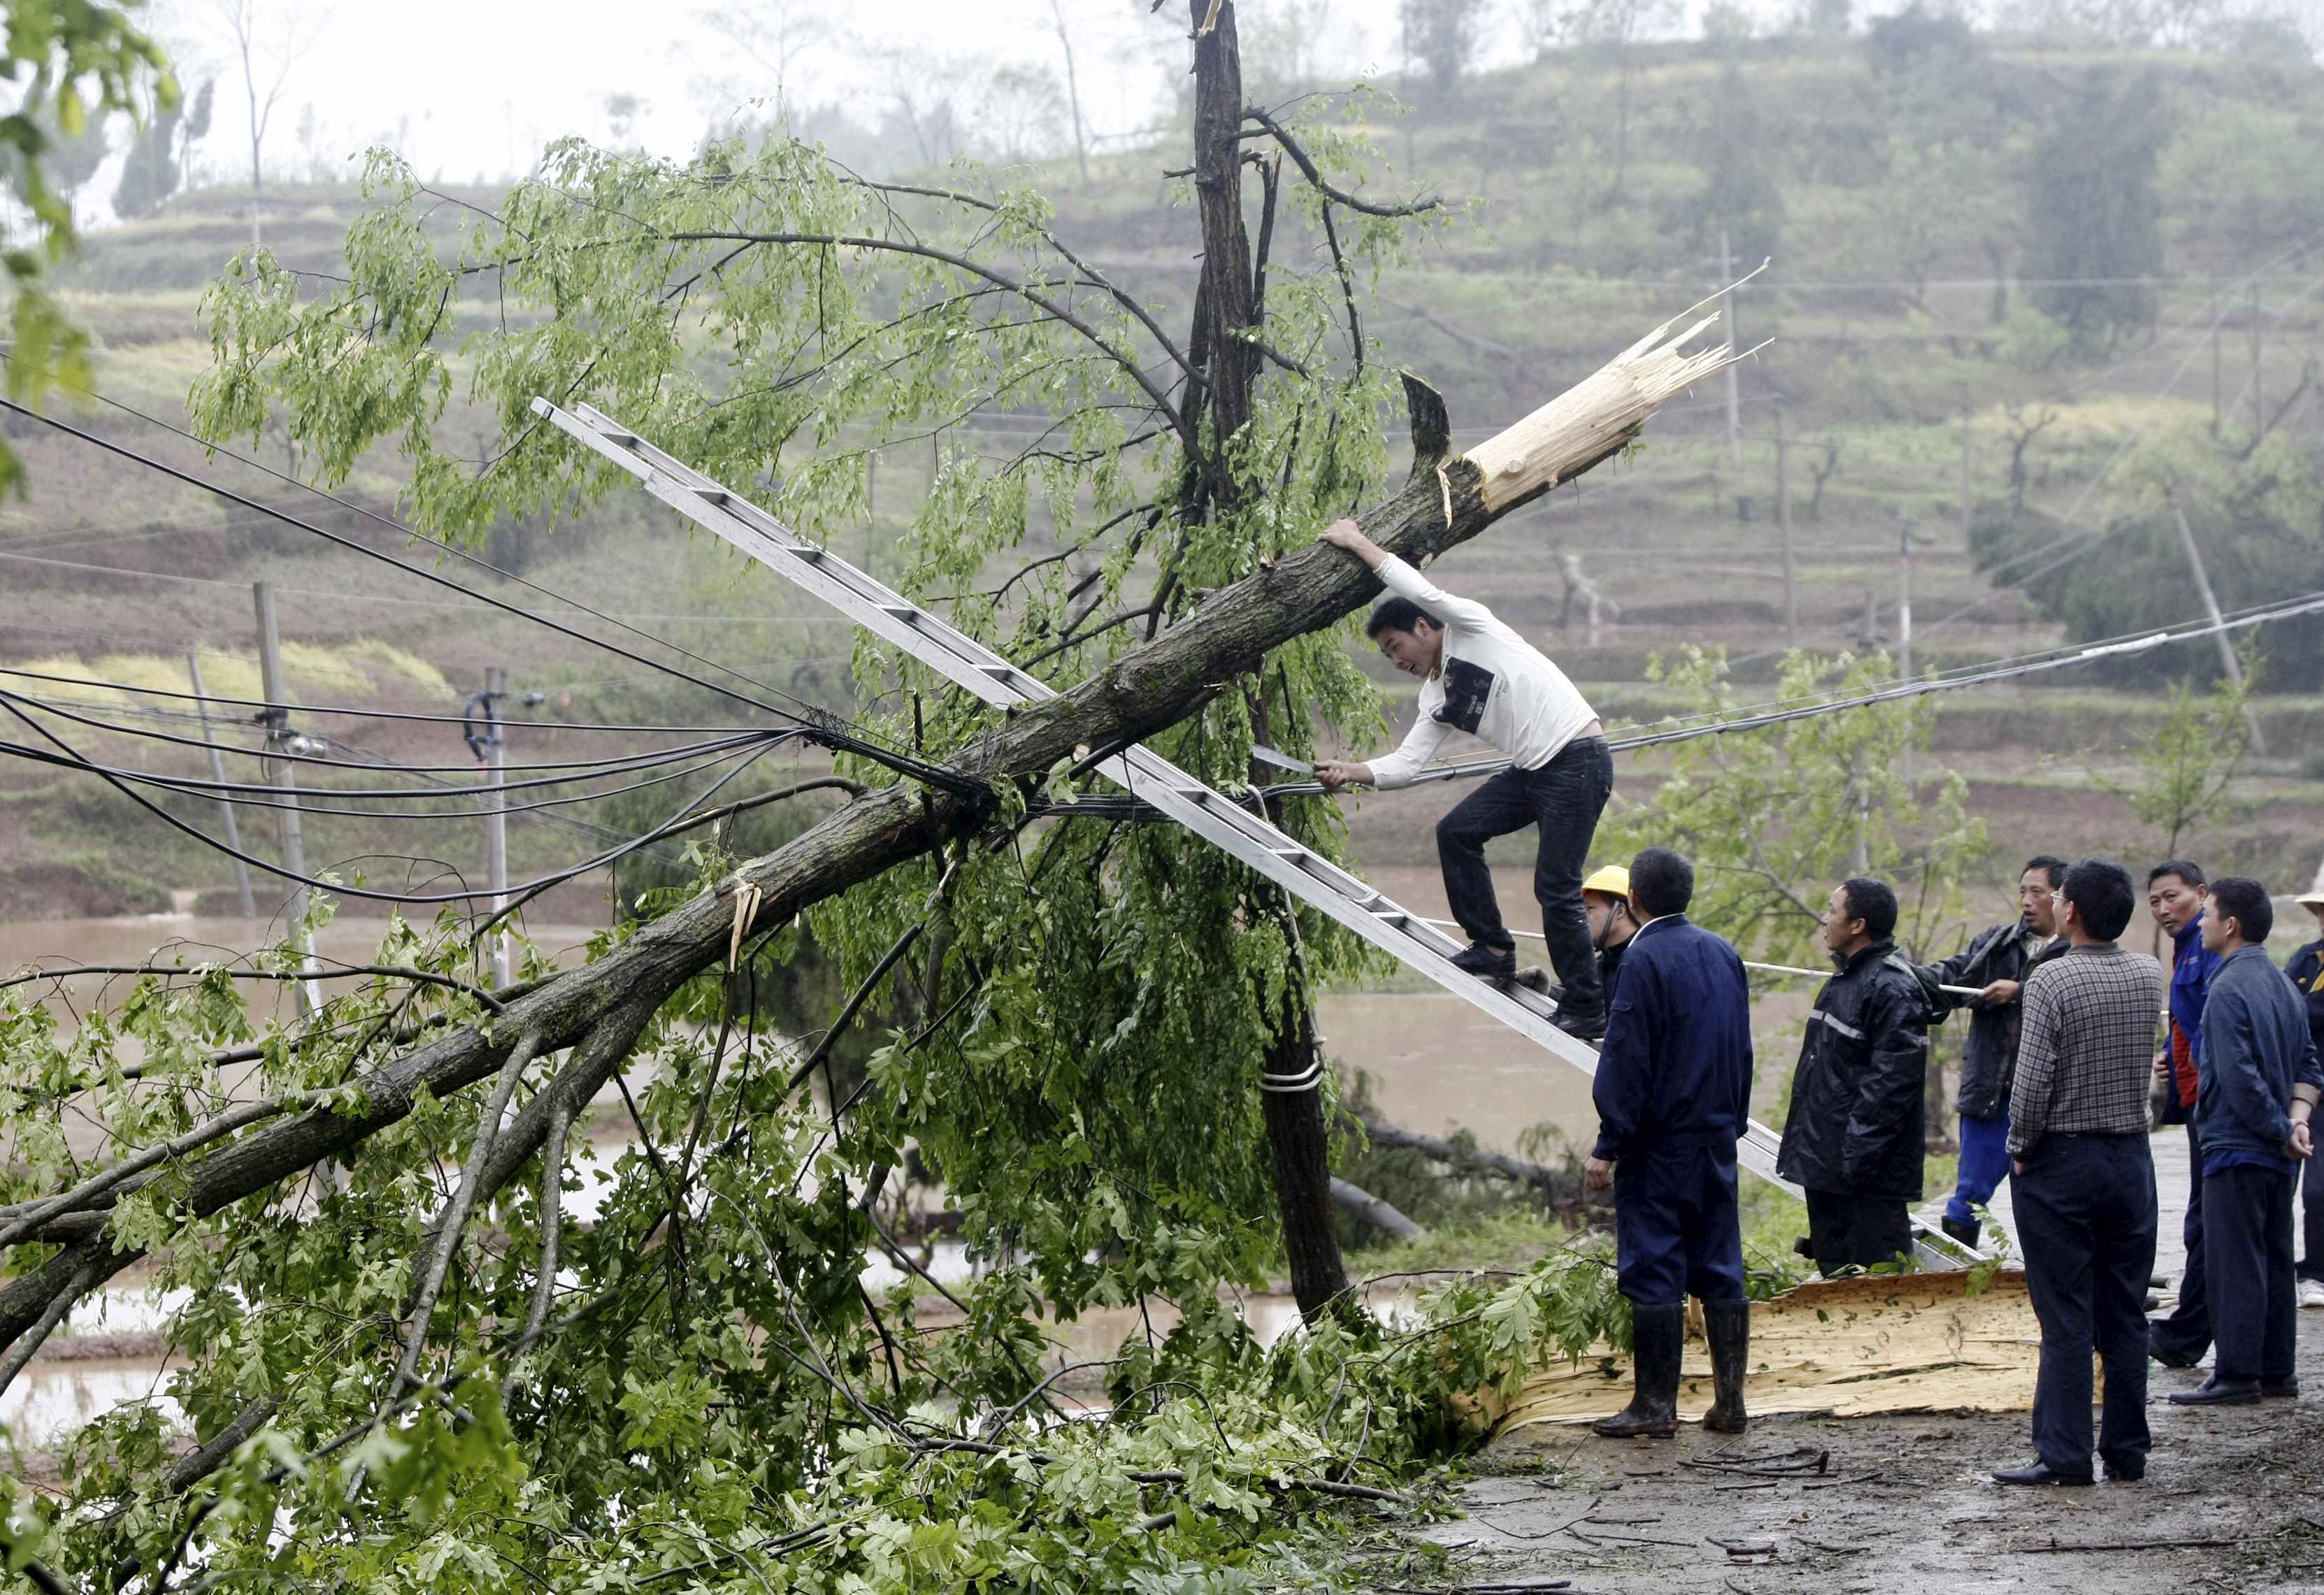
(1308, 170)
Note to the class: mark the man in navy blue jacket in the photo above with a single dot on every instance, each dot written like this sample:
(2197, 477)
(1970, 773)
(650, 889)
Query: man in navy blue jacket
(2260, 1085)
(1674, 1094)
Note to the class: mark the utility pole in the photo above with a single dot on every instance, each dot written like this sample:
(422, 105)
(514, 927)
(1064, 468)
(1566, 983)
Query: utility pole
(218, 774)
(1967, 512)
(1904, 595)
(276, 718)
(1734, 383)
(2228, 662)
(2259, 410)
(496, 821)
(2215, 355)
(1904, 618)
(1783, 518)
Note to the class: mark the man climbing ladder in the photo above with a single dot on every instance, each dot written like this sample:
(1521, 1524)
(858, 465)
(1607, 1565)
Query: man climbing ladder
(1482, 676)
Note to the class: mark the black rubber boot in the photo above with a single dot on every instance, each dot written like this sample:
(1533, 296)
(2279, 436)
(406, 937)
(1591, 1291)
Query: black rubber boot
(1728, 1326)
(1657, 1334)
(1965, 1231)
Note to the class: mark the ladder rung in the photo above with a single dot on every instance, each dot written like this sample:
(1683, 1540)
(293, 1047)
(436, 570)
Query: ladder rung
(716, 496)
(809, 552)
(1395, 917)
(624, 439)
(999, 672)
(1288, 852)
(902, 611)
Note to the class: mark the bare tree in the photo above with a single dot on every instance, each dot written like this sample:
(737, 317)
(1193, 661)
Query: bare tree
(773, 36)
(1073, 87)
(1616, 26)
(267, 40)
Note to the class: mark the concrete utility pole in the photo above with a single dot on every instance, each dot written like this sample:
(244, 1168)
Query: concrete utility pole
(1904, 595)
(1734, 383)
(2215, 355)
(2228, 662)
(2259, 410)
(276, 718)
(1968, 512)
(1783, 518)
(496, 820)
(218, 774)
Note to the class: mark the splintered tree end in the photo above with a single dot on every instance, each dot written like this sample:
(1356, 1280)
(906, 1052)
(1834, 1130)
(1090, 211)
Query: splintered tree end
(1432, 426)
(1594, 419)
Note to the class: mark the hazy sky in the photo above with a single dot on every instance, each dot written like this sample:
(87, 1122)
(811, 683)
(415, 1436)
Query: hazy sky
(470, 86)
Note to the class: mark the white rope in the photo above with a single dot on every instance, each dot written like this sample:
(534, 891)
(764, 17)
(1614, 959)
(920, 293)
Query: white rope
(1813, 974)
(1293, 1084)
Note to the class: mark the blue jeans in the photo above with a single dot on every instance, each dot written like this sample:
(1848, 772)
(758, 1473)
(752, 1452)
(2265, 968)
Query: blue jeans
(1564, 799)
(2086, 1221)
(1984, 1165)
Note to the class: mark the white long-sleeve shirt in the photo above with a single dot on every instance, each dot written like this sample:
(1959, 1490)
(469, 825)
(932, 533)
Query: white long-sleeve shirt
(1492, 684)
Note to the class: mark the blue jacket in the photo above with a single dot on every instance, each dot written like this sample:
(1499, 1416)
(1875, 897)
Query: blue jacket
(2255, 1049)
(2191, 965)
(1675, 1068)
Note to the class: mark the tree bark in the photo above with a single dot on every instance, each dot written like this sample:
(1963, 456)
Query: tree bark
(1372, 1211)
(1146, 690)
(1226, 280)
(1300, 1148)
(1558, 1186)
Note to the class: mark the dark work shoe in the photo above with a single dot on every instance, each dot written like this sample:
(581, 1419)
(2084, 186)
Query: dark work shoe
(1490, 963)
(2279, 1389)
(2215, 1391)
(2037, 1472)
(1965, 1231)
(1581, 1026)
(2127, 1468)
(2167, 1357)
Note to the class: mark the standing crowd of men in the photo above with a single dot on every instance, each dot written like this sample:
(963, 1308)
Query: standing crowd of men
(2060, 1060)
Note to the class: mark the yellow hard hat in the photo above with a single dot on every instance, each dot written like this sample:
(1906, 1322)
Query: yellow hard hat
(1612, 879)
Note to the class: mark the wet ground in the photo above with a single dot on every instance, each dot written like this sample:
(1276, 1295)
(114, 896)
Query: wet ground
(2233, 1500)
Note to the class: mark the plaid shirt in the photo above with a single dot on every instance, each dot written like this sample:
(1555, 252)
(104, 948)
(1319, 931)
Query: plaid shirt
(2085, 1045)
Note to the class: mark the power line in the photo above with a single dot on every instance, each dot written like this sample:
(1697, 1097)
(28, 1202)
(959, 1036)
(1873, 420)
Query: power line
(124, 451)
(362, 714)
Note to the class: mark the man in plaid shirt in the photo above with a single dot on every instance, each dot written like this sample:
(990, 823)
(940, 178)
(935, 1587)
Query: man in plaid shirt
(2085, 1180)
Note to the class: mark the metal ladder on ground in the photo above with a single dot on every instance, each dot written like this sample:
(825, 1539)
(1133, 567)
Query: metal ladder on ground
(1139, 770)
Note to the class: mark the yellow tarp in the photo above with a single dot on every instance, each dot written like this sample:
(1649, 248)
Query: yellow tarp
(1910, 1342)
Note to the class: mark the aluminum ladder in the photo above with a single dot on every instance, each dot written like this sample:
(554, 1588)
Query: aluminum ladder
(1137, 770)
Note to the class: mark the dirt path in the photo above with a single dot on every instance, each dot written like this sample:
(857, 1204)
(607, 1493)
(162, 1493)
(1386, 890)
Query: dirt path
(1904, 1506)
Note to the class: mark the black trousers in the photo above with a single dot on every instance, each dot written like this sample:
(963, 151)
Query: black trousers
(2255, 1310)
(1846, 1231)
(2186, 1330)
(2311, 1220)
(2086, 1221)
(1564, 799)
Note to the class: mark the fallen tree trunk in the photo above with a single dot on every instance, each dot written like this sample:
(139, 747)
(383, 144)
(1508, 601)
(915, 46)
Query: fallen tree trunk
(1371, 1210)
(1556, 1184)
(600, 1009)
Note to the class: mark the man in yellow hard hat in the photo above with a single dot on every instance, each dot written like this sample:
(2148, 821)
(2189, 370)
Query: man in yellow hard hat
(1606, 901)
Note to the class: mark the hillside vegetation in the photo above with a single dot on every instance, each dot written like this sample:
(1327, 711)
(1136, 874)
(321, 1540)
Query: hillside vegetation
(2015, 293)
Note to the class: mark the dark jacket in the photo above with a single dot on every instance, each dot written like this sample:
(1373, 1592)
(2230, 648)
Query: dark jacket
(1675, 1068)
(2307, 972)
(2191, 965)
(1990, 1059)
(2255, 1047)
(1857, 1120)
